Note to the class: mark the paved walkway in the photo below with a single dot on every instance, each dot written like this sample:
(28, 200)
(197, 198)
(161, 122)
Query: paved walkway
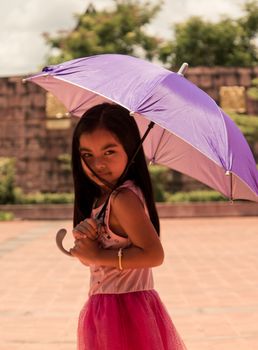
(208, 282)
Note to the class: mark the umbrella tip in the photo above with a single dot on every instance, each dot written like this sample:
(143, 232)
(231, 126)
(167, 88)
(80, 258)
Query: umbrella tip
(152, 161)
(183, 69)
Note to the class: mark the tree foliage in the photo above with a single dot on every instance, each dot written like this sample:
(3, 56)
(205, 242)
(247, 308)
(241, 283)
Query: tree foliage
(7, 187)
(118, 30)
(225, 43)
(122, 29)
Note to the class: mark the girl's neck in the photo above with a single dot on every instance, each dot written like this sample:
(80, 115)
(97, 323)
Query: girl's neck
(104, 191)
(101, 199)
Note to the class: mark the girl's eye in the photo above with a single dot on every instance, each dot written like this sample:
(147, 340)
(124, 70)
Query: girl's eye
(85, 155)
(109, 152)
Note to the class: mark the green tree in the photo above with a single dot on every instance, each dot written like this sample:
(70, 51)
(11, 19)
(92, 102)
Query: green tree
(7, 182)
(225, 43)
(119, 30)
(252, 92)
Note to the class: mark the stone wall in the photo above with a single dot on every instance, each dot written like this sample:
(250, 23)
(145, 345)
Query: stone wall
(25, 133)
(24, 136)
(22, 131)
(211, 79)
(165, 210)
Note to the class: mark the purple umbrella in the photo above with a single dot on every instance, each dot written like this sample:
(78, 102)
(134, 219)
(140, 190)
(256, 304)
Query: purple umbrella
(191, 133)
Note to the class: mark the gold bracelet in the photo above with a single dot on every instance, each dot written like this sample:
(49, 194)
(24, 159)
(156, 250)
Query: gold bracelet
(120, 254)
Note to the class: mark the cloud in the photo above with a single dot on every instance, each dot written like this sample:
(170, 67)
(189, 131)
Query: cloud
(23, 48)
(215, 9)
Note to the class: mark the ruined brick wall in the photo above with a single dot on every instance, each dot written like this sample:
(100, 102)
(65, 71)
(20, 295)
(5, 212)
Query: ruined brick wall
(22, 132)
(25, 136)
(211, 79)
(57, 176)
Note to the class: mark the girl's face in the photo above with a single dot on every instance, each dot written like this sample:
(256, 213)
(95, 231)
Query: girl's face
(105, 155)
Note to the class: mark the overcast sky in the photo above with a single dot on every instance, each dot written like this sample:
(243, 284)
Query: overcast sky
(22, 48)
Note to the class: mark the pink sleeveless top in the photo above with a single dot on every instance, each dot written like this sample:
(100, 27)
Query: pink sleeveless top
(110, 279)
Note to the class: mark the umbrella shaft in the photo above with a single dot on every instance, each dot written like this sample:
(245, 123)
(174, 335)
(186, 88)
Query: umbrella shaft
(150, 126)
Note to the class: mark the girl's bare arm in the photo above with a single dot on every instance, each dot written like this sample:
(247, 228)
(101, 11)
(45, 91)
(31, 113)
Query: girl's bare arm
(146, 249)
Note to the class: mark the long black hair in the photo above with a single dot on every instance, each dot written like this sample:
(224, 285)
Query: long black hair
(118, 121)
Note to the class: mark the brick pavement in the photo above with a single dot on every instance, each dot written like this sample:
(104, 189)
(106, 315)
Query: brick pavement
(208, 283)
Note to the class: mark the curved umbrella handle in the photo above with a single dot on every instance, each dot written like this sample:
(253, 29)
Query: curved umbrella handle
(59, 240)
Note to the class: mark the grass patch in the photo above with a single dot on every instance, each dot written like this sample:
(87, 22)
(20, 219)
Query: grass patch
(195, 196)
(43, 198)
(6, 216)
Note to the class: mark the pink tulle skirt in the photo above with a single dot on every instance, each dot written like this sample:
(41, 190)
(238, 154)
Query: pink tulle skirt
(129, 321)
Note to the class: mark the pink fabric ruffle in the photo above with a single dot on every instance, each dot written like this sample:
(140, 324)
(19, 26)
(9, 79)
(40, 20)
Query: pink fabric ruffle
(128, 321)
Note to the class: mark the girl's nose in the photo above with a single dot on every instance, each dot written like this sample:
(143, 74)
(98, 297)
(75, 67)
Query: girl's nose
(99, 164)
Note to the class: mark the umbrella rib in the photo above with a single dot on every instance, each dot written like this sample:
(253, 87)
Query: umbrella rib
(164, 127)
(246, 184)
(97, 93)
(157, 148)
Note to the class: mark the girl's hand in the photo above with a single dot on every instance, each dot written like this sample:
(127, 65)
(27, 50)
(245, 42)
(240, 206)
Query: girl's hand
(86, 229)
(86, 250)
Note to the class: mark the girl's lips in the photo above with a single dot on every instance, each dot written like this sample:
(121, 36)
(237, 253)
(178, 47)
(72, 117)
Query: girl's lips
(104, 174)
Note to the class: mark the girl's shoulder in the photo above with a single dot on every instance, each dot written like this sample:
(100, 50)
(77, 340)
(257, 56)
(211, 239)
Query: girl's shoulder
(128, 187)
(128, 194)
(126, 184)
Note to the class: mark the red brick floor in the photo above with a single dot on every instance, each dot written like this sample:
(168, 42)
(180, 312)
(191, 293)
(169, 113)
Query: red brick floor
(208, 283)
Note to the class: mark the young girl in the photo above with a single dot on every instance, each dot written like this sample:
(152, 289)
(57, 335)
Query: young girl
(123, 311)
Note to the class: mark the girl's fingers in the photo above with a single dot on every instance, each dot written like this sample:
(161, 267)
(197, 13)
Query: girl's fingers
(91, 226)
(78, 234)
(87, 226)
(92, 223)
(94, 230)
(85, 229)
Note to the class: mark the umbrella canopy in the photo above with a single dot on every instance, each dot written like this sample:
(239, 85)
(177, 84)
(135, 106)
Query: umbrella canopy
(191, 134)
